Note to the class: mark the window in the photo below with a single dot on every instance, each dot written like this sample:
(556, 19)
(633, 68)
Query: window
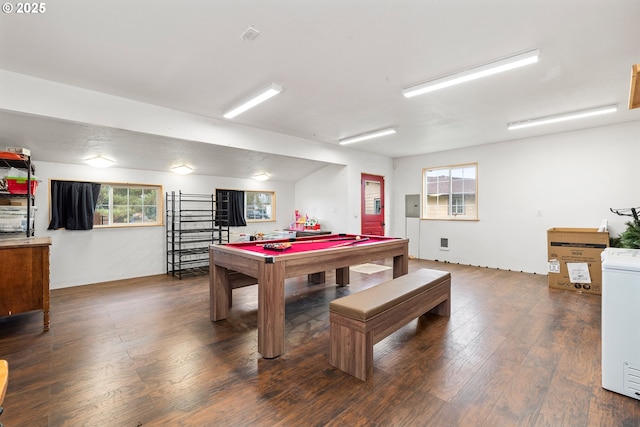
(128, 205)
(372, 199)
(260, 206)
(451, 192)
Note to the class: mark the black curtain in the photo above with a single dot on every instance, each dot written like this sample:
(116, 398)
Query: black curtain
(231, 201)
(73, 204)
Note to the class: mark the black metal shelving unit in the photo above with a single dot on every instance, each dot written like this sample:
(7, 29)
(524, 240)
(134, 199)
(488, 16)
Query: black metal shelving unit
(22, 164)
(194, 222)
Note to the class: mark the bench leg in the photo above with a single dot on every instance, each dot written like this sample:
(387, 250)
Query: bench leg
(351, 351)
(442, 309)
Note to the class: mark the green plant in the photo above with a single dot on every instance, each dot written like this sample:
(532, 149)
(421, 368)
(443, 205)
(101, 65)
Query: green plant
(630, 238)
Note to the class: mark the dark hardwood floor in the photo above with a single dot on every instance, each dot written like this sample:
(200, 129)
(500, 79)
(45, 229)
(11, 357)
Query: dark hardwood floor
(143, 352)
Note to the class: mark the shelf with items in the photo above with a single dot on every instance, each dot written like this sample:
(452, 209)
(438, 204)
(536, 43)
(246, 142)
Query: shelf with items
(17, 195)
(194, 222)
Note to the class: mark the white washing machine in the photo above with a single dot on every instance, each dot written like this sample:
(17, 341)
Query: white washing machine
(621, 321)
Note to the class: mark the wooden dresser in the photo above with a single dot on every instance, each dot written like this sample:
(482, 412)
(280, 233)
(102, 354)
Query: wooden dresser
(24, 276)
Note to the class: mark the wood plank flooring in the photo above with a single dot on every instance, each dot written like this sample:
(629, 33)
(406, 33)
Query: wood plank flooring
(143, 352)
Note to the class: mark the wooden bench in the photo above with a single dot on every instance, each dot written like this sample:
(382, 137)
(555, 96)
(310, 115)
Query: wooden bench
(360, 320)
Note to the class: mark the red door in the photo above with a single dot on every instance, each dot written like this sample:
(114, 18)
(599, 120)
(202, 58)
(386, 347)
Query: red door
(372, 205)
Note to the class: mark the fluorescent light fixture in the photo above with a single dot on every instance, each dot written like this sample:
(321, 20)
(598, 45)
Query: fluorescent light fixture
(562, 117)
(368, 135)
(266, 93)
(489, 69)
(182, 169)
(99, 162)
(261, 177)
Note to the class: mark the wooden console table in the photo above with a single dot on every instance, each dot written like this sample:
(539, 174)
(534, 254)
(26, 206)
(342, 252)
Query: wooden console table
(24, 276)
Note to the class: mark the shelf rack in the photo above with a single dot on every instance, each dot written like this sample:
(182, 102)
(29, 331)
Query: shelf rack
(194, 222)
(24, 163)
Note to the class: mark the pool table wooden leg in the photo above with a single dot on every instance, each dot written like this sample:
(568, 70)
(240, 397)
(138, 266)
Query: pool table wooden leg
(317, 278)
(271, 309)
(342, 276)
(220, 293)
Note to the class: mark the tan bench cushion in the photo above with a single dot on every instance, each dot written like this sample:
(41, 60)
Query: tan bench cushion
(370, 302)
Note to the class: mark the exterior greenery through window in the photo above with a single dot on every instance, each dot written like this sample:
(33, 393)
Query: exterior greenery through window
(260, 206)
(128, 205)
(450, 192)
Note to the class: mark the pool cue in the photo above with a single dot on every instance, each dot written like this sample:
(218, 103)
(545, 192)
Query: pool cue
(363, 239)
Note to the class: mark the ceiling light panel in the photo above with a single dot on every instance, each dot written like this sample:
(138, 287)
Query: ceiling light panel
(562, 117)
(182, 169)
(258, 98)
(366, 136)
(489, 69)
(99, 162)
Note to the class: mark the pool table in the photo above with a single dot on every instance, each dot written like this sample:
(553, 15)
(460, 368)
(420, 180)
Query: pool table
(239, 264)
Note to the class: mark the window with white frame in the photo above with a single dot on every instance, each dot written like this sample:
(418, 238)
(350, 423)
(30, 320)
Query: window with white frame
(128, 205)
(450, 192)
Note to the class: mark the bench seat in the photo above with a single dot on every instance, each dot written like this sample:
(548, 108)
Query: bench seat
(360, 320)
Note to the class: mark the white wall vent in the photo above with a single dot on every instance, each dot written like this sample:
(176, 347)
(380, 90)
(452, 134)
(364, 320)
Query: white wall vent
(444, 244)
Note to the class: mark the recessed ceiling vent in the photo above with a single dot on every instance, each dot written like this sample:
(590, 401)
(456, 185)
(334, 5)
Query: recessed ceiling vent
(249, 34)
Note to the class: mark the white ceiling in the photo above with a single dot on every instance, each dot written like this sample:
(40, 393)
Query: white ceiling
(342, 64)
(58, 141)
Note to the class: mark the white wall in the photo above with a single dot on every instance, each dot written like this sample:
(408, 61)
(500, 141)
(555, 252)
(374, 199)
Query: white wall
(323, 196)
(526, 187)
(105, 254)
(332, 194)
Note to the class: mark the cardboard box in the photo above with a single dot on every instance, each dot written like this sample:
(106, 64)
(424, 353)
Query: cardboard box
(574, 258)
(19, 150)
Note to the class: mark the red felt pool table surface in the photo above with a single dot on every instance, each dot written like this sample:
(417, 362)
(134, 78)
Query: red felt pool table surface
(307, 244)
(312, 256)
